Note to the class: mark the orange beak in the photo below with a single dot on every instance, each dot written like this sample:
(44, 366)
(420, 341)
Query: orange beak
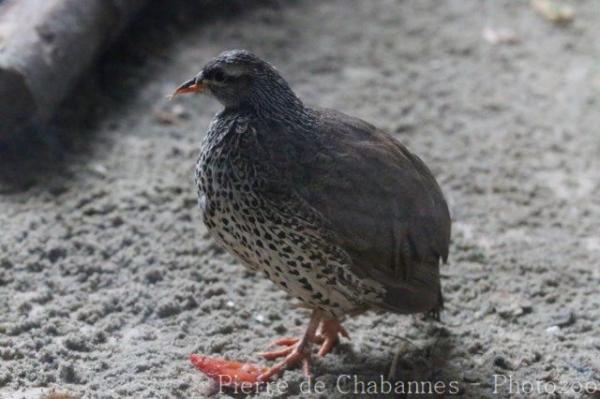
(193, 85)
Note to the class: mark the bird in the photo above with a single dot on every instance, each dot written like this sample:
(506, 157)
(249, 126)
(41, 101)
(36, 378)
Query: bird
(333, 210)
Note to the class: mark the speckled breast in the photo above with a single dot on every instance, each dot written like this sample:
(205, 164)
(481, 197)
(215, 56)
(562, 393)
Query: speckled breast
(265, 235)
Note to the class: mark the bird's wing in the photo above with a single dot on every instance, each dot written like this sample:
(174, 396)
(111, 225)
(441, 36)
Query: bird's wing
(383, 204)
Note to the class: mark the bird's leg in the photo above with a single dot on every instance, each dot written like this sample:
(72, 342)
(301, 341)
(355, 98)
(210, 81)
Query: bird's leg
(296, 352)
(328, 335)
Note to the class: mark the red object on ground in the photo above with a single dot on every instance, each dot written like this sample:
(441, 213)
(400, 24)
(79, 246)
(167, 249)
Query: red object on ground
(228, 373)
(234, 374)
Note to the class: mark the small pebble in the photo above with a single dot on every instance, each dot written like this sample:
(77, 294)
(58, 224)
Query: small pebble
(564, 320)
(68, 374)
(502, 362)
(553, 330)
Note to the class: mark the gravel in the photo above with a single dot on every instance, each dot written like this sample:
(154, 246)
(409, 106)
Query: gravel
(108, 280)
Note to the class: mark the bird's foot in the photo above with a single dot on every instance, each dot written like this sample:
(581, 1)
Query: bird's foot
(328, 335)
(296, 351)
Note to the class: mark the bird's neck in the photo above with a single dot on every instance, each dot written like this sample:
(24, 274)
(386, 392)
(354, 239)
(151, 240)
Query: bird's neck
(287, 113)
(277, 102)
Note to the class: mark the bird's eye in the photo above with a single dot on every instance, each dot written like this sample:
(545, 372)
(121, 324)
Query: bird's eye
(218, 76)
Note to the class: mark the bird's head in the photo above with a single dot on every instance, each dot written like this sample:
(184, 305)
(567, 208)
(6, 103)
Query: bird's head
(239, 78)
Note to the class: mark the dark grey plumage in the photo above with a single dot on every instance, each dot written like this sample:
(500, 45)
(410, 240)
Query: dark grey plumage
(332, 209)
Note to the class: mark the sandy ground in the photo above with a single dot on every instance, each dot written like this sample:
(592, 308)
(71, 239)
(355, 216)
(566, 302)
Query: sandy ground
(108, 280)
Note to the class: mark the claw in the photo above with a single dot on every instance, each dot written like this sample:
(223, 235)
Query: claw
(343, 332)
(228, 373)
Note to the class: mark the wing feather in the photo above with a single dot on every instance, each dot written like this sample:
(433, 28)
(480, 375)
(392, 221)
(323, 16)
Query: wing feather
(383, 203)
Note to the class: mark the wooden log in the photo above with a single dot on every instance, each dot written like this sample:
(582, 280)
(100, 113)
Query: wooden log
(45, 46)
